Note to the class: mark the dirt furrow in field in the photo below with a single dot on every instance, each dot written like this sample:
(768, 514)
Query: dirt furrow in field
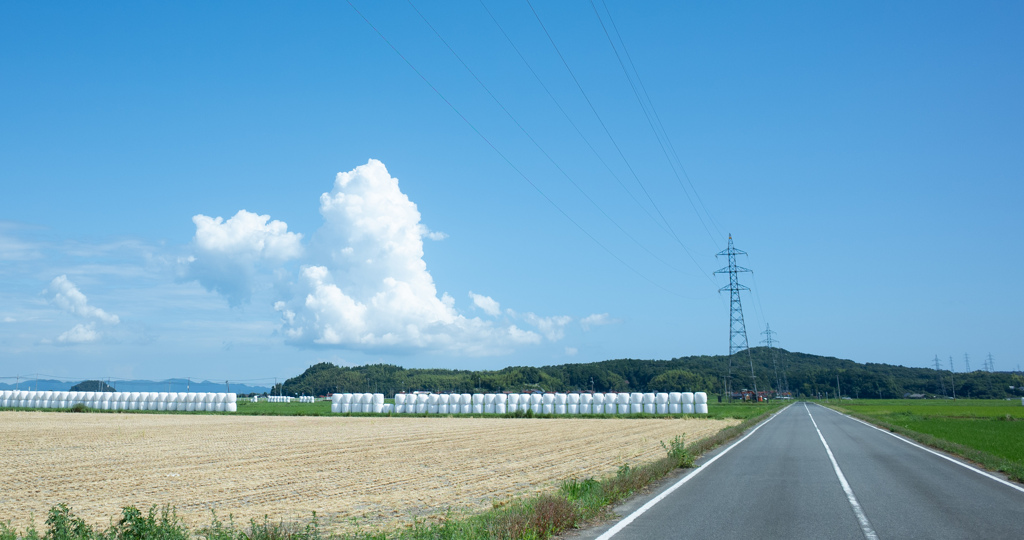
(375, 471)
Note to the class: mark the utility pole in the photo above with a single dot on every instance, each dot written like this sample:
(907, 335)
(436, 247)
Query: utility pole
(768, 341)
(941, 382)
(839, 391)
(737, 328)
(952, 382)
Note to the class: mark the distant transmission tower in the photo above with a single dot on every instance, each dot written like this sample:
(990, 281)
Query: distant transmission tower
(967, 363)
(939, 371)
(737, 328)
(952, 381)
(768, 341)
(990, 364)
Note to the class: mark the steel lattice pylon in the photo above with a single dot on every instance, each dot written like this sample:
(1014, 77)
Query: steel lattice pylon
(737, 328)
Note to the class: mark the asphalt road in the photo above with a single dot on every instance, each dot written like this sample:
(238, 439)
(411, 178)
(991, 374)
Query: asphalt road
(781, 482)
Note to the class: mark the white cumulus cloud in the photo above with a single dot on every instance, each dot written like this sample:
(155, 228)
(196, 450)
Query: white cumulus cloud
(65, 295)
(552, 328)
(227, 253)
(80, 333)
(366, 285)
(571, 351)
(486, 303)
(596, 319)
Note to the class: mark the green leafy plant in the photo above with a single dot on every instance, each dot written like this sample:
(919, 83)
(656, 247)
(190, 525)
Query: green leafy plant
(677, 452)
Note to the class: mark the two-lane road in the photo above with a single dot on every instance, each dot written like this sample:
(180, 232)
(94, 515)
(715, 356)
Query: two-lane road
(810, 472)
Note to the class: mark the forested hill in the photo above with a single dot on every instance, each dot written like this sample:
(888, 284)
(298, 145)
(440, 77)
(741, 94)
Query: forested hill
(807, 375)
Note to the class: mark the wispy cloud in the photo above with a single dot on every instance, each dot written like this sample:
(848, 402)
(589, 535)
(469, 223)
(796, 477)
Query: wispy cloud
(65, 295)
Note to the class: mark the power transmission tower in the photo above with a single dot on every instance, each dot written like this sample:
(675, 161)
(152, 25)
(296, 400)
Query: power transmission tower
(737, 328)
(967, 363)
(769, 342)
(990, 364)
(939, 371)
(952, 382)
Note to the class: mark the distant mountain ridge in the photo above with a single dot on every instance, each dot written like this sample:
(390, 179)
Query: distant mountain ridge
(168, 385)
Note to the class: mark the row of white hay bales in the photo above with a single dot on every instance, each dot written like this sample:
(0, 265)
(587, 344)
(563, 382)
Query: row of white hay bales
(360, 403)
(553, 403)
(121, 401)
(275, 399)
(307, 399)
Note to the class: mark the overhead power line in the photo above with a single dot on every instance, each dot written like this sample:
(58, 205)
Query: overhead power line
(503, 156)
(647, 115)
(569, 119)
(615, 143)
(534, 141)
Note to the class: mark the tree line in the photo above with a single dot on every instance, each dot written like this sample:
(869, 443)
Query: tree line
(774, 371)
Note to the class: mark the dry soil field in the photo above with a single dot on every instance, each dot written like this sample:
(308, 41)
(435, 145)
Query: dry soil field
(375, 472)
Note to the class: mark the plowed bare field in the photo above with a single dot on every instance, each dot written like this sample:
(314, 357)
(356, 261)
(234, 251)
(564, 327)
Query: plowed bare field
(377, 472)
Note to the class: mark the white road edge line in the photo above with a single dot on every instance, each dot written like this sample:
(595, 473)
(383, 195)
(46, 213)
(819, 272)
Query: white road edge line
(865, 525)
(935, 452)
(650, 504)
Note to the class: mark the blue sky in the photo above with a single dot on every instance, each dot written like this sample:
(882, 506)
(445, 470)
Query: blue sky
(172, 205)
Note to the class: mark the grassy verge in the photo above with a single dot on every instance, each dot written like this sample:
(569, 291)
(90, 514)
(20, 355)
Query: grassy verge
(974, 431)
(575, 503)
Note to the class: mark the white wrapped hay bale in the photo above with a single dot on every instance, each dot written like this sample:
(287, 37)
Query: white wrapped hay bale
(687, 397)
(701, 408)
(549, 404)
(537, 403)
(513, 403)
(586, 401)
(649, 398)
(700, 397)
(489, 403)
(661, 399)
(687, 408)
(610, 403)
(650, 408)
(623, 400)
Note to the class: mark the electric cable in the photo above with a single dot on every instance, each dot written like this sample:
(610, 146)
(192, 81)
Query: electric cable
(657, 117)
(650, 123)
(614, 143)
(537, 144)
(504, 157)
